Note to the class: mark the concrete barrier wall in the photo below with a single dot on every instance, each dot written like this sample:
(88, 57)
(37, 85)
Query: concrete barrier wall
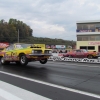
(59, 57)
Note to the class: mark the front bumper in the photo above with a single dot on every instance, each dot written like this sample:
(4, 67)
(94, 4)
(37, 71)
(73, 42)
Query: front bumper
(40, 55)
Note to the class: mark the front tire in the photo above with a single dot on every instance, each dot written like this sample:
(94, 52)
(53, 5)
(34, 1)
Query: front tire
(43, 61)
(23, 60)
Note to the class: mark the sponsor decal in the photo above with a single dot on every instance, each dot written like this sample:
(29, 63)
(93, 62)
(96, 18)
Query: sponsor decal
(85, 30)
(94, 43)
(60, 46)
(3, 45)
(86, 60)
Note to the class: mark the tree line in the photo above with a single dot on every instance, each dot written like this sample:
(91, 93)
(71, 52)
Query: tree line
(9, 33)
(9, 30)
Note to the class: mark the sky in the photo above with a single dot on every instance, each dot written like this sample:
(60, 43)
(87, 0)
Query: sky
(51, 18)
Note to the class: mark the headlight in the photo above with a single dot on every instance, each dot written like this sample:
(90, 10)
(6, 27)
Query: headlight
(35, 51)
(50, 51)
(32, 51)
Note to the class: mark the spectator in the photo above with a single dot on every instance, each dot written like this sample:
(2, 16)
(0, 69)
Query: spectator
(65, 51)
(60, 51)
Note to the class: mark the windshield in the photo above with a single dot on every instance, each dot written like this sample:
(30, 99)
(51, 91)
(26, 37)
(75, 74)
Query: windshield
(84, 50)
(20, 46)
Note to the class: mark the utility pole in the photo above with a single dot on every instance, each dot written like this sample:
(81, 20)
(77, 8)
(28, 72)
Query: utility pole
(18, 35)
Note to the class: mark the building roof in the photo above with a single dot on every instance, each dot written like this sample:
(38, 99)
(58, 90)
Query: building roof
(88, 33)
(88, 21)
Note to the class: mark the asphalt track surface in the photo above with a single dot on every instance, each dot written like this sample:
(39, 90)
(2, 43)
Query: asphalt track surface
(78, 76)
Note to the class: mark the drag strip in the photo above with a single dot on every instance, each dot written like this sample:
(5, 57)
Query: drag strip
(72, 75)
(48, 90)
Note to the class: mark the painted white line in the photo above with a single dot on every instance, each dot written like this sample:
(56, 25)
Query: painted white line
(7, 90)
(54, 85)
(8, 95)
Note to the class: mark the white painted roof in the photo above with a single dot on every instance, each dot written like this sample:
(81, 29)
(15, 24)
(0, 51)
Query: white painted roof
(88, 33)
(88, 21)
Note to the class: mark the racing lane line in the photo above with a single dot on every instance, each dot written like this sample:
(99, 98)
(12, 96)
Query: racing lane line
(54, 85)
(11, 92)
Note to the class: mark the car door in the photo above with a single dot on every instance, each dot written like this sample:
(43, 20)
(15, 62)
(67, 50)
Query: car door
(9, 52)
(82, 54)
(14, 53)
(78, 53)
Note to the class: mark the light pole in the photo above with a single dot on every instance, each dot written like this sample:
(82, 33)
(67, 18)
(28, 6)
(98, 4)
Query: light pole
(72, 44)
(18, 35)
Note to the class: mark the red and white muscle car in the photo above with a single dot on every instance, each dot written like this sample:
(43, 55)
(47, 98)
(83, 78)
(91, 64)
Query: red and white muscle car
(82, 53)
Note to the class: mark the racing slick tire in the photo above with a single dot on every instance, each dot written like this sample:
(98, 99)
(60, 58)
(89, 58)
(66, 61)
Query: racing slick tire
(43, 61)
(23, 60)
(3, 62)
(90, 56)
(70, 56)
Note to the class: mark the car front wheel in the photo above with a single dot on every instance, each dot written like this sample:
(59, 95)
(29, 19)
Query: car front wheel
(23, 60)
(43, 61)
(90, 56)
(70, 56)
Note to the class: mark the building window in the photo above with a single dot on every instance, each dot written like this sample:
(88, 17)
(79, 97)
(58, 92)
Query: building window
(85, 26)
(97, 25)
(91, 26)
(88, 47)
(79, 38)
(97, 38)
(83, 47)
(92, 38)
(79, 27)
(88, 38)
(85, 38)
(91, 47)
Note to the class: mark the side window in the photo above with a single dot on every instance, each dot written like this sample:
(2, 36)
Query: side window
(7, 49)
(11, 47)
(78, 51)
(19, 46)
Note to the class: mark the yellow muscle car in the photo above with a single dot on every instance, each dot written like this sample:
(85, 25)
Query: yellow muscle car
(23, 53)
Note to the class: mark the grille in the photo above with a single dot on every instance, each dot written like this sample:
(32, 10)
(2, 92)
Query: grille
(37, 51)
(47, 51)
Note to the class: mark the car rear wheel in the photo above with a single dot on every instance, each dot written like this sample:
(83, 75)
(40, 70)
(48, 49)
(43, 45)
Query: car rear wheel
(3, 62)
(23, 60)
(70, 56)
(90, 56)
(43, 61)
